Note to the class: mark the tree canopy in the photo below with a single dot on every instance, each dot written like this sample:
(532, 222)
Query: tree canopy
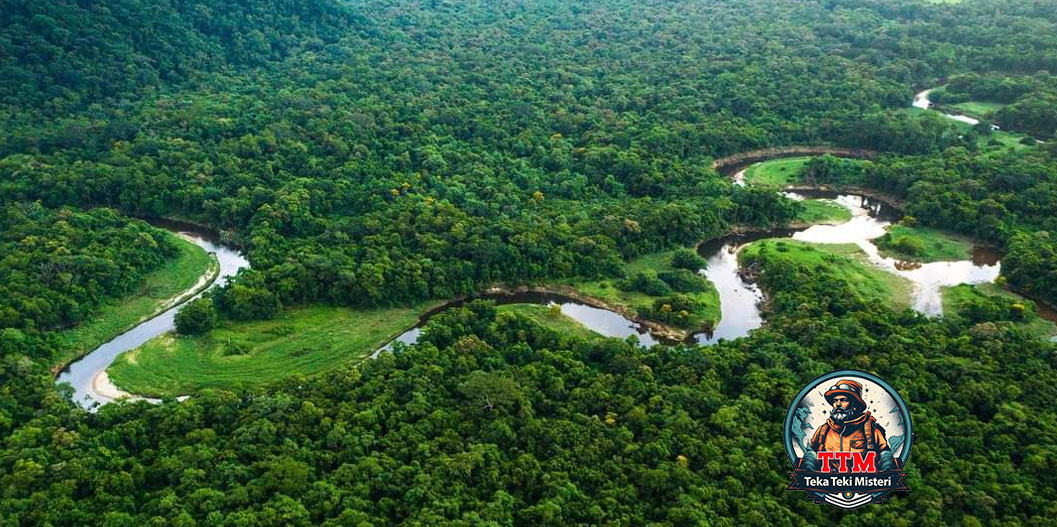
(392, 152)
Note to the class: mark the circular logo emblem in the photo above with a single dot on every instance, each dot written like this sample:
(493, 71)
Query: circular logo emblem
(848, 435)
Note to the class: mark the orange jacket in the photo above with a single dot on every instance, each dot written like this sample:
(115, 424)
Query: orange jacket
(849, 436)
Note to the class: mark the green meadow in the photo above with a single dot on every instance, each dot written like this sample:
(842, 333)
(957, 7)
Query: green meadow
(819, 211)
(638, 302)
(922, 244)
(776, 172)
(845, 262)
(550, 318)
(307, 341)
(304, 340)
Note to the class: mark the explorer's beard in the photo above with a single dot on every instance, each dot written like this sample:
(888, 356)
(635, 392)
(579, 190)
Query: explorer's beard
(840, 416)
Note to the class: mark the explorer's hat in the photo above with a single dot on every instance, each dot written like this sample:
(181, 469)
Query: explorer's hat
(846, 387)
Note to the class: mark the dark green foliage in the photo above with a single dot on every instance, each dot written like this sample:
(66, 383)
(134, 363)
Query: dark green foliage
(664, 283)
(494, 417)
(901, 133)
(909, 245)
(991, 87)
(646, 282)
(689, 260)
(1007, 199)
(374, 153)
(763, 207)
(249, 298)
(676, 310)
(56, 266)
(1031, 101)
(196, 317)
(684, 281)
(235, 348)
(994, 308)
(1031, 264)
(828, 169)
(985, 129)
(352, 182)
(1036, 115)
(62, 55)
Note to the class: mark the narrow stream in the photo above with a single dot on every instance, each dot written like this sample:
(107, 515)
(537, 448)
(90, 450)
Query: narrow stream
(921, 100)
(739, 300)
(601, 321)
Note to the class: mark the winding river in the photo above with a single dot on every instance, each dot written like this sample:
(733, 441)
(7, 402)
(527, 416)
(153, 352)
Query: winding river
(921, 100)
(870, 220)
(740, 301)
(88, 375)
(601, 321)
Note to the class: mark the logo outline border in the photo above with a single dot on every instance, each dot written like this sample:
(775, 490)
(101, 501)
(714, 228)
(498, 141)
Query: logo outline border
(900, 403)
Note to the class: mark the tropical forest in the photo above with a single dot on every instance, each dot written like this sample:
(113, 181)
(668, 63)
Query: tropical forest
(518, 263)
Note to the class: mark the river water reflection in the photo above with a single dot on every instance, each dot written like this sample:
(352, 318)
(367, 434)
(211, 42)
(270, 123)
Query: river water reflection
(869, 220)
(601, 321)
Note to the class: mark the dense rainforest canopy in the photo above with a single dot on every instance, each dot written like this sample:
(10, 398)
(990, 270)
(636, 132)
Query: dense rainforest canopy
(60, 264)
(370, 153)
(428, 149)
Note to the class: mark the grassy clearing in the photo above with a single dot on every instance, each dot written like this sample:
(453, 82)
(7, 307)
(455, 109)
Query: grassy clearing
(923, 244)
(305, 340)
(543, 316)
(982, 110)
(638, 302)
(977, 109)
(172, 279)
(846, 262)
(776, 172)
(1001, 140)
(956, 298)
(661, 261)
(822, 211)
